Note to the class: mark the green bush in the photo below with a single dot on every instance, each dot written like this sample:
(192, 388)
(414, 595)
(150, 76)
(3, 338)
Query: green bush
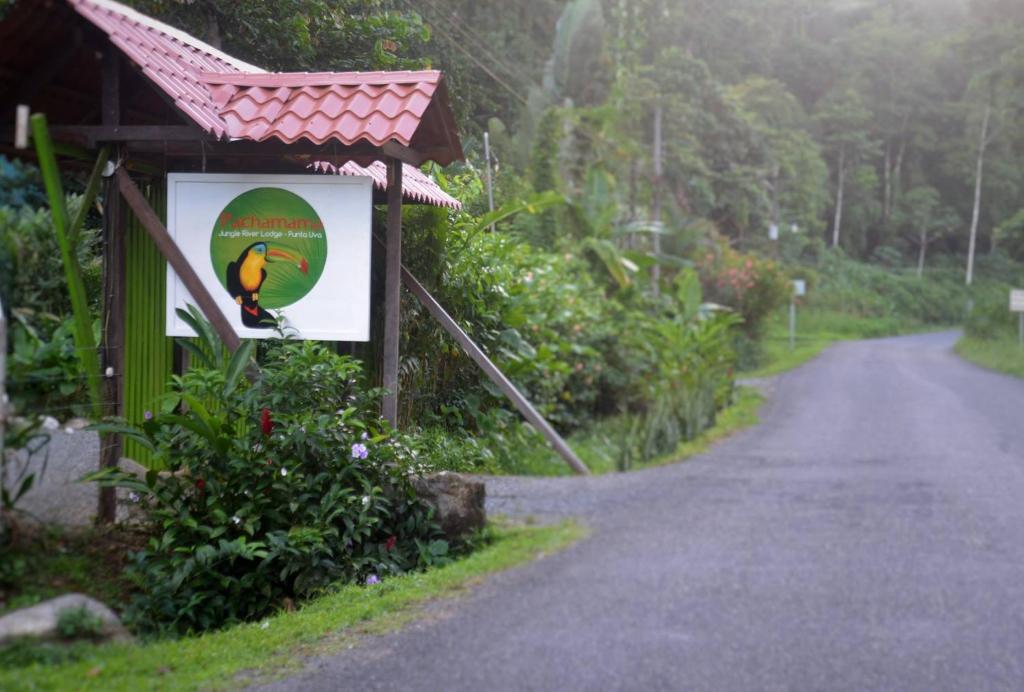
(44, 371)
(751, 285)
(78, 623)
(272, 489)
(31, 270)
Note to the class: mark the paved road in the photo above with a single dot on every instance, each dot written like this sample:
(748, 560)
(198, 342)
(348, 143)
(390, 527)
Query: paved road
(868, 535)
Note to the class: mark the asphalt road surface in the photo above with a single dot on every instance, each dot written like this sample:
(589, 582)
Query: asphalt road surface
(869, 534)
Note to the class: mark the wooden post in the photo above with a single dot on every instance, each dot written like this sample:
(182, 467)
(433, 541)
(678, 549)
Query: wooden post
(3, 378)
(392, 292)
(172, 253)
(113, 314)
(114, 268)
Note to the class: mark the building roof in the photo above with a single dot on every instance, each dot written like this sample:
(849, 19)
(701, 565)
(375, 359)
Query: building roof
(233, 100)
(416, 185)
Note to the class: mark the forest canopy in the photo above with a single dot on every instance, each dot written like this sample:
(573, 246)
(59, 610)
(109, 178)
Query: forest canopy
(875, 125)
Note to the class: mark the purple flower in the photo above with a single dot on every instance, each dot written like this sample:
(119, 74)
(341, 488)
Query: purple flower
(359, 451)
(372, 579)
(148, 415)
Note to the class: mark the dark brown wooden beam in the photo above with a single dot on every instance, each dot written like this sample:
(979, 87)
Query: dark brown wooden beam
(172, 253)
(392, 292)
(90, 135)
(402, 153)
(112, 351)
(111, 92)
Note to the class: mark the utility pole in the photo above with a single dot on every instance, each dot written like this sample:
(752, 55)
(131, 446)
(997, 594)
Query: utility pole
(490, 186)
(656, 203)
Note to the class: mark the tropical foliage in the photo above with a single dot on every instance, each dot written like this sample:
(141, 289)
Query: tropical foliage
(272, 487)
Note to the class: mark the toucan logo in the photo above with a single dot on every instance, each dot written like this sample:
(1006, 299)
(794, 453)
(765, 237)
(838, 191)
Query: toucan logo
(268, 247)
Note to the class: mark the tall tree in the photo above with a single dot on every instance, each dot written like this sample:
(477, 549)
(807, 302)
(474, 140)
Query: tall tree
(844, 122)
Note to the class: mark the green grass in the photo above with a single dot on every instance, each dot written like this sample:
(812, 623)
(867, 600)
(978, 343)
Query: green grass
(598, 447)
(1003, 354)
(240, 655)
(815, 331)
(53, 562)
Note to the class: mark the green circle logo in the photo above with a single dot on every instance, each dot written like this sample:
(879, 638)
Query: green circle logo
(268, 249)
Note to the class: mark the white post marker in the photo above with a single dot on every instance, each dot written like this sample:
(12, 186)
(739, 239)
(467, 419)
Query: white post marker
(1017, 306)
(799, 289)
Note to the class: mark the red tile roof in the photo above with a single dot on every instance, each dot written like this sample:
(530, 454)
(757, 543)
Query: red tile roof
(348, 106)
(416, 185)
(234, 100)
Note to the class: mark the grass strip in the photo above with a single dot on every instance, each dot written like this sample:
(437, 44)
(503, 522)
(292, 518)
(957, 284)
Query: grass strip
(1003, 355)
(236, 656)
(818, 329)
(599, 445)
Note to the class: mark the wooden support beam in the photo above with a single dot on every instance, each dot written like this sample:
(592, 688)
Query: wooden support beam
(113, 333)
(90, 135)
(403, 153)
(496, 376)
(392, 292)
(172, 253)
(111, 96)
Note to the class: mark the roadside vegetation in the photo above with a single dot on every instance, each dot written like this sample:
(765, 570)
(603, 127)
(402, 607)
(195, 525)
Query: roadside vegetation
(991, 335)
(339, 618)
(869, 149)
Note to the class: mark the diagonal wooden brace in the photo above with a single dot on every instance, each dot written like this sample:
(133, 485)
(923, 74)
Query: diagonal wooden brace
(172, 253)
(496, 376)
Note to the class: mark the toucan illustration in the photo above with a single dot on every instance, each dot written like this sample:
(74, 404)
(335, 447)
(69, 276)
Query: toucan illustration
(245, 276)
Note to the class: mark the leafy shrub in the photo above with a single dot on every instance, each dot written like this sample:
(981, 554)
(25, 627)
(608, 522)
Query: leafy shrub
(540, 316)
(692, 377)
(33, 273)
(272, 489)
(990, 318)
(44, 371)
(750, 284)
(78, 623)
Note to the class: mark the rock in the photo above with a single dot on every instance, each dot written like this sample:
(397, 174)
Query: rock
(458, 501)
(75, 424)
(41, 621)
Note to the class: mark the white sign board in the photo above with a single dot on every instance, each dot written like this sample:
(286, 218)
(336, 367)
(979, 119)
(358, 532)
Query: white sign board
(294, 246)
(799, 287)
(773, 232)
(1016, 300)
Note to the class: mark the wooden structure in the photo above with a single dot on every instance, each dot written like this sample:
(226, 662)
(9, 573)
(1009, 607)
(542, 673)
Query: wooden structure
(162, 100)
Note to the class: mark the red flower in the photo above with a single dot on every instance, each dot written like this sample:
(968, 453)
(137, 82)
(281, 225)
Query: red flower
(390, 543)
(266, 424)
(200, 484)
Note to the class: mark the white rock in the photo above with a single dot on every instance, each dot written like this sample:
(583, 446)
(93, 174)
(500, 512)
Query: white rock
(40, 621)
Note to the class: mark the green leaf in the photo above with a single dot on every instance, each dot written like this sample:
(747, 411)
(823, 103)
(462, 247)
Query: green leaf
(236, 367)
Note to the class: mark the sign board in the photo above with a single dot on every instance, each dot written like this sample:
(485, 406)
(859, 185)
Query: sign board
(799, 287)
(1016, 300)
(267, 246)
(773, 232)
